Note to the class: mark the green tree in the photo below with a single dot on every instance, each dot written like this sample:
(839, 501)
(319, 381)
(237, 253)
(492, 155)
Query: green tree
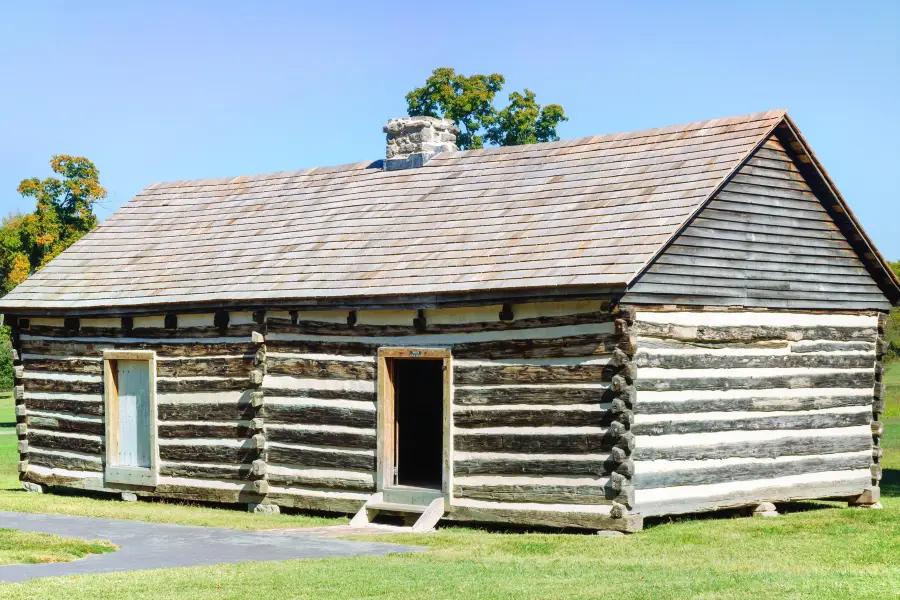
(525, 122)
(892, 331)
(6, 364)
(468, 101)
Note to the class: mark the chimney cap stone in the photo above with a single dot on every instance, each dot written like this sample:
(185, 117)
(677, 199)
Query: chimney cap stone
(413, 141)
(403, 124)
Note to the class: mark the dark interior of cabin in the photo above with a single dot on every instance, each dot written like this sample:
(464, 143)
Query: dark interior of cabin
(419, 397)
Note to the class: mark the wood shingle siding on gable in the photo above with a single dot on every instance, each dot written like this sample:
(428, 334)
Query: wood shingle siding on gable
(765, 240)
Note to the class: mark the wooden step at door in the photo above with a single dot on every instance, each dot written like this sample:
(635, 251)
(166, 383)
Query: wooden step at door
(404, 494)
(427, 515)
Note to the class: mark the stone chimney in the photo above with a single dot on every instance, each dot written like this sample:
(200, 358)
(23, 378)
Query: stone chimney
(413, 141)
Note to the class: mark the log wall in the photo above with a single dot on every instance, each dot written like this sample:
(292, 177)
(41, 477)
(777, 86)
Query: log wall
(206, 378)
(736, 408)
(283, 410)
(535, 427)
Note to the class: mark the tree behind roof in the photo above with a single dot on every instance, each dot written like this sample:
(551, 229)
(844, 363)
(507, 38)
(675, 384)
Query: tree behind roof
(468, 101)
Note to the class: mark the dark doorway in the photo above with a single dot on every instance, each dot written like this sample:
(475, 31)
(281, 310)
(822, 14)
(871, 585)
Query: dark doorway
(418, 410)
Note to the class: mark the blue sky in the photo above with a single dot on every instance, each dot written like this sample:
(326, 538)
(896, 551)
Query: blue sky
(160, 91)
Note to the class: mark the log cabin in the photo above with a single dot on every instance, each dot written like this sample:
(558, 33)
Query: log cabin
(581, 334)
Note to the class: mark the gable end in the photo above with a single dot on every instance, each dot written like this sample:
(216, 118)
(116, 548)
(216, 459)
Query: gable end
(765, 240)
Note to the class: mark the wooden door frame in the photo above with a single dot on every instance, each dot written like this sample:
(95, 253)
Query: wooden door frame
(386, 419)
(113, 473)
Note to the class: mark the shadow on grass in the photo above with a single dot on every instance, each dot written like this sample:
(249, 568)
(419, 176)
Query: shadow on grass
(743, 512)
(890, 483)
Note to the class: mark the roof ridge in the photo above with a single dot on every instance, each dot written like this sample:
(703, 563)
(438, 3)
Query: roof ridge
(593, 139)
(376, 164)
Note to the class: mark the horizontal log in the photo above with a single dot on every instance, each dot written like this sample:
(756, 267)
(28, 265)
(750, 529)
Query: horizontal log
(236, 367)
(761, 404)
(820, 421)
(78, 407)
(652, 343)
(64, 386)
(297, 414)
(533, 418)
(241, 472)
(71, 365)
(463, 396)
(204, 430)
(181, 386)
(281, 325)
(532, 443)
(320, 369)
(744, 333)
(163, 349)
(51, 441)
(214, 453)
(299, 478)
(149, 333)
(70, 463)
(339, 348)
(205, 411)
(786, 446)
(570, 346)
(541, 494)
(60, 480)
(768, 491)
(341, 439)
(545, 518)
(748, 471)
(245, 495)
(61, 423)
(765, 380)
(315, 503)
(536, 466)
(502, 374)
(743, 361)
(321, 394)
(322, 458)
(834, 347)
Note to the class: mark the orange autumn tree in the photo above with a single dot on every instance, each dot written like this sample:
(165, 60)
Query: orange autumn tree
(64, 213)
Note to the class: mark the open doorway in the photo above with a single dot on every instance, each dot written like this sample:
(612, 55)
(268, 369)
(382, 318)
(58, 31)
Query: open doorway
(418, 422)
(414, 428)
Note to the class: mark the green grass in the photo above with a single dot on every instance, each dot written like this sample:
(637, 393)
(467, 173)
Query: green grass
(25, 547)
(821, 550)
(7, 410)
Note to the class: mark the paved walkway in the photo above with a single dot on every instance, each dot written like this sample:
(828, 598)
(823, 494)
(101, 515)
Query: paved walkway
(157, 546)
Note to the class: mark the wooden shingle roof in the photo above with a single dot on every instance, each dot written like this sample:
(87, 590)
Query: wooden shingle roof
(583, 213)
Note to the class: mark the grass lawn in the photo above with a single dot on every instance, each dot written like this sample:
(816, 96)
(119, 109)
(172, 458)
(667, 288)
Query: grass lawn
(820, 550)
(19, 547)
